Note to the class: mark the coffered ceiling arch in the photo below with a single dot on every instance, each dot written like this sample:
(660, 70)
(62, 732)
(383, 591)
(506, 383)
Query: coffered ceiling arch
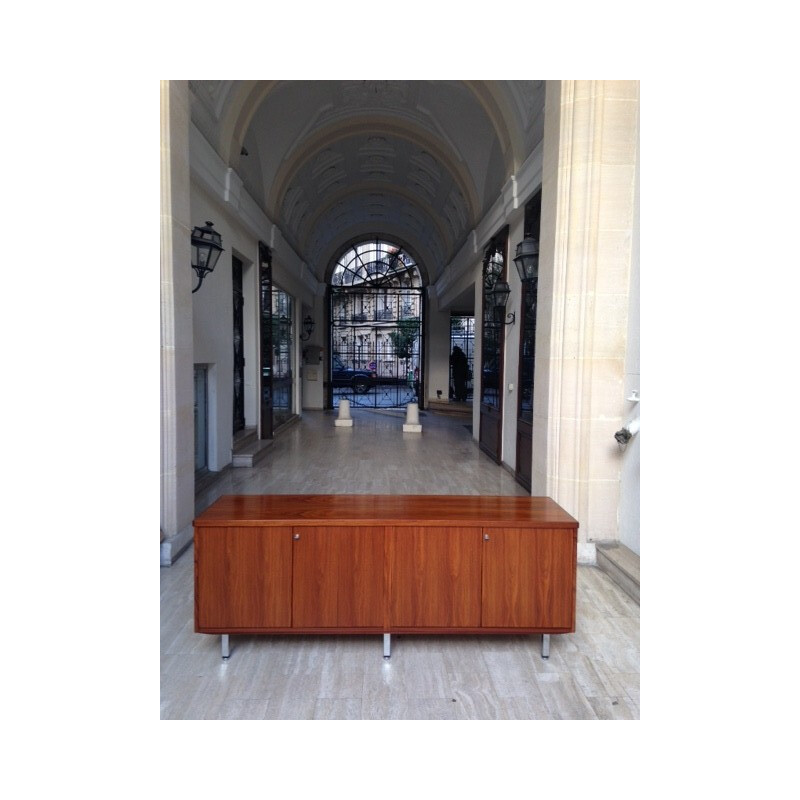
(382, 200)
(420, 159)
(348, 132)
(242, 100)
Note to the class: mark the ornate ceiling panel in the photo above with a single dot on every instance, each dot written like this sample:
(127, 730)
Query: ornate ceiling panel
(405, 159)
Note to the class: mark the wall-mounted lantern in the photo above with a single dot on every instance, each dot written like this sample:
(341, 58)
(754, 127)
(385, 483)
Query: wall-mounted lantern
(527, 259)
(308, 325)
(206, 248)
(499, 295)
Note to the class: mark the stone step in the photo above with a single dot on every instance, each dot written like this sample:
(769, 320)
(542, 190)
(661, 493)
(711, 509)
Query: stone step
(248, 449)
(621, 564)
(244, 438)
(251, 455)
(450, 407)
(204, 479)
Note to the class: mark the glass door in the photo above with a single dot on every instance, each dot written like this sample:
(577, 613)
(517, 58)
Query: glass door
(282, 358)
(492, 346)
(527, 354)
(238, 347)
(265, 335)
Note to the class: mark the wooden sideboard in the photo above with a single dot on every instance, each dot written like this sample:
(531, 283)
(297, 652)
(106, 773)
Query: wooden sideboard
(384, 564)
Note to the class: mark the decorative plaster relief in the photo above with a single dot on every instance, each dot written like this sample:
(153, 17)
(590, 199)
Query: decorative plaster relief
(422, 184)
(427, 163)
(455, 212)
(371, 93)
(410, 213)
(324, 161)
(377, 168)
(376, 158)
(294, 206)
(377, 146)
(333, 176)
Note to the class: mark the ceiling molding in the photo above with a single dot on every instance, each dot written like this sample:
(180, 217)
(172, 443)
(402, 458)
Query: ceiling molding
(367, 187)
(363, 126)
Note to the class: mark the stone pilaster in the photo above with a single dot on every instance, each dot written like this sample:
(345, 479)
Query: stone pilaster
(588, 219)
(177, 380)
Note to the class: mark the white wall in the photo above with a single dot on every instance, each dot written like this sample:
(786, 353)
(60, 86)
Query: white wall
(218, 195)
(313, 364)
(213, 328)
(437, 356)
(252, 384)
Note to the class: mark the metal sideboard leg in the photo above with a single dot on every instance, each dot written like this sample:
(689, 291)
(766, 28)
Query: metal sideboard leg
(545, 645)
(387, 645)
(226, 645)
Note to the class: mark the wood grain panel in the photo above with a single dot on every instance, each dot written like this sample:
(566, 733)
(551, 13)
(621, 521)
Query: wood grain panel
(338, 577)
(377, 509)
(491, 429)
(528, 579)
(524, 469)
(434, 575)
(243, 577)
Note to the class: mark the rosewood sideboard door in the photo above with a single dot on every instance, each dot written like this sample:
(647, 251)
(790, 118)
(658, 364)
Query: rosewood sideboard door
(338, 577)
(435, 575)
(528, 579)
(243, 578)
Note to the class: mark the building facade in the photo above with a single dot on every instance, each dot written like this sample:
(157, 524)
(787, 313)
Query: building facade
(295, 175)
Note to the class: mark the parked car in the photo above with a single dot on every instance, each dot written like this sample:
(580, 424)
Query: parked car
(359, 380)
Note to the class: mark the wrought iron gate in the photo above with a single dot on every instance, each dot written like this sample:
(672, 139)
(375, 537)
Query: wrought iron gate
(376, 308)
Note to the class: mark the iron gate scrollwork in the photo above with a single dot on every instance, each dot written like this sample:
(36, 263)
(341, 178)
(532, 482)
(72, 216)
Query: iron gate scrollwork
(376, 308)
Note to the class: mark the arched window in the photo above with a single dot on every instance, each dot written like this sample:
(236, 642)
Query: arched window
(376, 264)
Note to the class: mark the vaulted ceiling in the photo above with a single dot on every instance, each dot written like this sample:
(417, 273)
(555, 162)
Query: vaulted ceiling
(419, 162)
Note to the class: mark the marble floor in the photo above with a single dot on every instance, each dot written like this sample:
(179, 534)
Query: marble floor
(591, 674)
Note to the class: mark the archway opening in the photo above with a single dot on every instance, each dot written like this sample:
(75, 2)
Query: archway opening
(376, 335)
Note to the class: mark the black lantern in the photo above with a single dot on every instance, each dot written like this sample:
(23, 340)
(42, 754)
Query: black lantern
(527, 259)
(499, 295)
(308, 324)
(206, 247)
(492, 269)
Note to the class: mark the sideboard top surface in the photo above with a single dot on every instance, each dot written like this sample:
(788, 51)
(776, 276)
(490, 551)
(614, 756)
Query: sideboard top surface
(384, 509)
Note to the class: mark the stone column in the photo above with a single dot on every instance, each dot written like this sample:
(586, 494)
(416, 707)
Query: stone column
(589, 177)
(177, 379)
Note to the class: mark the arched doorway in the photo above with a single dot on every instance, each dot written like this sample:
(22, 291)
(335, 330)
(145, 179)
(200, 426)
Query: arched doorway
(376, 311)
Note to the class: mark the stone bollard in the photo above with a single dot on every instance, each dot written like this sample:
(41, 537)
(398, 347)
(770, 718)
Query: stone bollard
(344, 420)
(412, 424)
